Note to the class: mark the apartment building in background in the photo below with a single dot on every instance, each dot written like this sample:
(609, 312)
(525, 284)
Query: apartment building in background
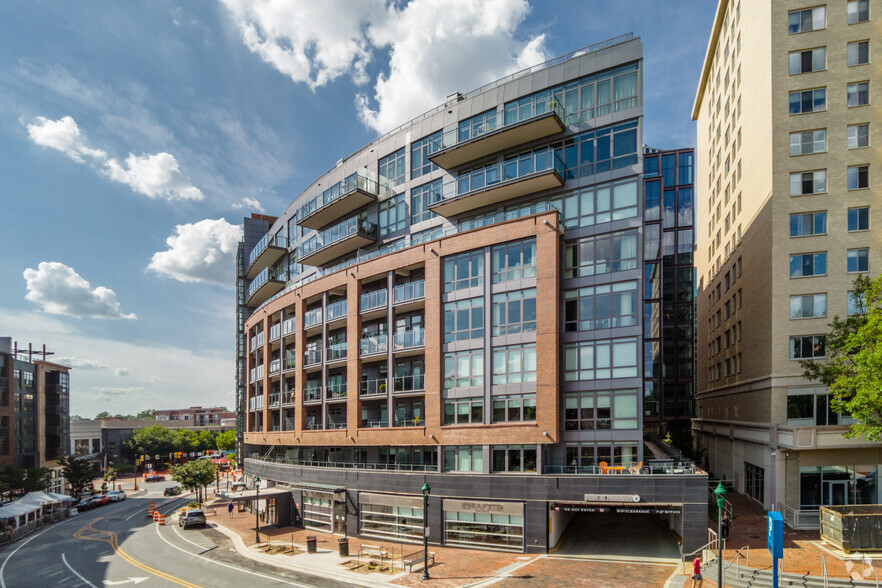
(479, 300)
(195, 416)
(787, 182)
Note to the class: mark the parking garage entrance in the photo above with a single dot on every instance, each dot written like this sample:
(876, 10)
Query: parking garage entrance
(633, 531)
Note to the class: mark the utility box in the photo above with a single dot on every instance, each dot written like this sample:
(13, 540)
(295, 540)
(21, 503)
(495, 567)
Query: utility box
(853, 527)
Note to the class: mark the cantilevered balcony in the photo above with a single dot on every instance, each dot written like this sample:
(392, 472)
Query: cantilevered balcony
(516, 176)
(328, 245)
(267, 252)
(482, 136)
(340, 200)
(263, 287)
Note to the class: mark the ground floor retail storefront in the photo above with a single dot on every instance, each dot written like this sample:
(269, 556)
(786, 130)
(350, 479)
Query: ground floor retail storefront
(515, 513)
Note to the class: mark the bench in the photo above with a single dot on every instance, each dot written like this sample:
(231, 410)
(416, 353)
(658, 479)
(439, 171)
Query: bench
(418, 558)
(373, 551)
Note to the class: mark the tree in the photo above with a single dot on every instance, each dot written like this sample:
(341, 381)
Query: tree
(852, 368)
(194, 475)
(103, 415)
(17, 481)
(226, 440)
(75, 417)
(77, 472)
(146, 415)
(153, 440)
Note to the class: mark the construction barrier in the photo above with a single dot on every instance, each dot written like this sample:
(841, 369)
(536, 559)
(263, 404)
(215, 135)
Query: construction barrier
(151, 509)
(156, 516)
(161, 520)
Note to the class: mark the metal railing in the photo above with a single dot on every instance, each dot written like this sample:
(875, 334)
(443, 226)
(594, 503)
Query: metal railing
(314, 426)
(736, 561)
(256, 373)
(275, 331)
(374, 424)
(289, 326)
(261, 279)
(288, 397)
(411, 422)
(337, 233)
(372, 300)
(797, 519)
(277, 240)
(257, 341)
(402, 467)
(351, 183)
(409, 291)
(290, 362)
(312, 318)
(333, 425)
(312, 394)
(336, 310)
(411, 383)
(273, 400)
(312, 357)
(409, 338)
(275, 366)
(375, 344)
(335, 391)
(336, 351)
(375, 387)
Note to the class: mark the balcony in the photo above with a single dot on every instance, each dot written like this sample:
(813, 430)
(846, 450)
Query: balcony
(373, 345)
(336, 311)
(273, 400)
(255, 403)
(256, 373)
(312, 357)
(409, 339)
(256, 342)
(374, 424)
(275, 332)
(413, 384)
(290, 363)
(288, 398)
(330, 244)
(289, 326)
(410, 422)
(335, 391)
(262, 288)
(373, 303)
(339, 200)
(312, 394)
(516, 176)
(336, 352)
(275, 367)
(336, 425)
(484, 137)
(409, 291)
(265, 254)
(368, 388)
(314, 427)
(312, 319)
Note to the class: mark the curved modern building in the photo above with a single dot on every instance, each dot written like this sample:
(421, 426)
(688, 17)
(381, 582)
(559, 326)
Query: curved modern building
(461, 304)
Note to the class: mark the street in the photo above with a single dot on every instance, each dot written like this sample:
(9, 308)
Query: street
(118, 545)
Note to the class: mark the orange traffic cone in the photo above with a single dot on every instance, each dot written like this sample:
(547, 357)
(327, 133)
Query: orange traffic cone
(161, 520)
(156, 516)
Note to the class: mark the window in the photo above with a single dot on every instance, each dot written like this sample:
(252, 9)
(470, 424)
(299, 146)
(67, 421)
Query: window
(512, 409)
(602, 254)
(601, 307)
(477, 126)
(859, 94)
(514, 458)
(807, 347)
(393, 215)
(858, 53)
(419, 155)
(808, 264)
(857, 303)
(601, 359)
(808, 306)
(808, 142)
(514, 312)
(807, 224)
(391, 170)
(421, 198)
(859, 219)
(463, 320)
(514, 261)
(803, 21)
(603, 203)
(514, 364)
(813, 182)
(463, 271)
(463, 411)
(587, 411)
(464, 458)
(808, 61)
(858, 136)
(858, 177)
(805, 101)
(858, 11)
(858, 260)
(464, 369)
(754, 477)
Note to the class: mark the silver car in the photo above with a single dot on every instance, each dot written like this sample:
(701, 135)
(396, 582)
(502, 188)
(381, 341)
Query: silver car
(192, 518)
(116, 495)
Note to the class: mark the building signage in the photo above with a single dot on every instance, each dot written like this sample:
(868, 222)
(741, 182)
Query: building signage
(612, 498)
(509, 508)
(615, 509)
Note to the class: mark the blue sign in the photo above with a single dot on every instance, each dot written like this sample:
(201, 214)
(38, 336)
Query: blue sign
(776, 535)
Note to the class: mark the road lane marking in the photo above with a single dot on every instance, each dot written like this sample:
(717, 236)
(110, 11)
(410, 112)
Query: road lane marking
(8, 557)
(76, 573)
(90, 533)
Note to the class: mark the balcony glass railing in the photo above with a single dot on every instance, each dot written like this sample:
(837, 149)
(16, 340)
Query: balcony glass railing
(312, 394)
(275, 331)
(255, 403)
(256, 373)
(314, 426)
(409, 291)
(335, 391)
(409, 338)
(288, 397)
(375, 387)
(357, 181)
(336, 425)
(275, 366)
(373, 300)
(337, 310)
(371, 345)
(374, 424)
(290, 362)
(337, 351)
(257, 341)
(337, 233)
(312, 318)
(277, 240)
(261, 279)
(274, 400)
(289, 326)
(410, 422)
(412, 383)
(312, 357)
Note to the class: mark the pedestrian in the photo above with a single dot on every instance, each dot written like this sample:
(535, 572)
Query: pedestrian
(230, 509)
(725, 525)
(697, 580)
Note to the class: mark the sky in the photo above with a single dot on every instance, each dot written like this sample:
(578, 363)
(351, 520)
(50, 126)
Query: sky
(135, 136)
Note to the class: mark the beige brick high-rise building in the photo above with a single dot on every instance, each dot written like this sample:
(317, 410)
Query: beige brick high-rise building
(787, 180)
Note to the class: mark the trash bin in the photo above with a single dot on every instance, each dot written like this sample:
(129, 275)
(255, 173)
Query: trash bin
(310, 544)
(343, 547)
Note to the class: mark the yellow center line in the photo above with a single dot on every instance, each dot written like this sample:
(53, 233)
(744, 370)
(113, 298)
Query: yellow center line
(90, 533)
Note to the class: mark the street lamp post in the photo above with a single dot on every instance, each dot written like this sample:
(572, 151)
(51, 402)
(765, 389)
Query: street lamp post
(426, 491)
(257, 510)
(720, 493)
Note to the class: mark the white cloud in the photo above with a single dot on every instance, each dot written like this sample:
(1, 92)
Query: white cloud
(81, 363)
(60, 290)
(121, 371)
(251, 203)
(118, 391)
(63, 135)
(156, 176)
(435, 47)
(200, 252)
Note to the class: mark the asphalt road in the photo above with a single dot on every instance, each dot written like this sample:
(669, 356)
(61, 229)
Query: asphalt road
(118, 545)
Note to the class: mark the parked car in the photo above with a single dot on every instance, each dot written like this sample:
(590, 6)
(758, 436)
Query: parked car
(116, 495)
(102, 500)
(84, 504)
(192, 518)
(154, 478)
(172, 491)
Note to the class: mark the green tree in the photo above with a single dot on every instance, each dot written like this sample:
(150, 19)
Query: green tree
(152, 440)
(16, 481)
(77, 471)
(226, 440)
(852, 368)
(103, 415)
(145, 415)
(75, 417)
(194, 475)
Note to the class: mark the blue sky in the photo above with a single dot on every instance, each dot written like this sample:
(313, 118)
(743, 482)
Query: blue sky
(134, 136)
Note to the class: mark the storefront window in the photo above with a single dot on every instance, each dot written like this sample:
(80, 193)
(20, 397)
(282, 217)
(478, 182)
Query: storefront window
(837, 485)
(485, 525)
(397, 518)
